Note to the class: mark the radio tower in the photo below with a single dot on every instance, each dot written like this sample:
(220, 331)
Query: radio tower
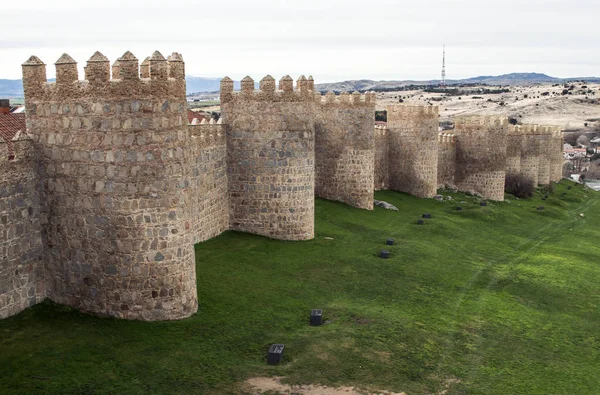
(443, 82)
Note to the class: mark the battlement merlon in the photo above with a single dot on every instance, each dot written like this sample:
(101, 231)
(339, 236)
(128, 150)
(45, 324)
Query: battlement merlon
(345, 99)
(34, 77)
(448, 138)
(125, 70)
(18, 149)
(533, 129)
(477, 121)
(403, 111)
(208, 134)
(268, 90)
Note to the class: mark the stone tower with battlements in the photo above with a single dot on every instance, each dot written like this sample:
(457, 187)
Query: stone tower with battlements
(412, 138)
(481, 155)
(535, 152)
(110, 188)
(270, 157)
(114, 187)
(344, 148)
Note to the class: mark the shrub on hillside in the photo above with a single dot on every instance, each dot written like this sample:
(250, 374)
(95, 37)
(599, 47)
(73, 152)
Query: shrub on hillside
(519, 186)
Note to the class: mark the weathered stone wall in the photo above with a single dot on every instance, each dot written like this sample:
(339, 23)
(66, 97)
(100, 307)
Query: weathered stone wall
(413, 149)
(209, 198)
(344, 148)
(545, 145)
(115, 192)
(481, 155)
(530, 153)
(381, 179)
(21, 266)
(446, 159)
(556, 156)
(270, 157)
(535, 152)
(514, 142)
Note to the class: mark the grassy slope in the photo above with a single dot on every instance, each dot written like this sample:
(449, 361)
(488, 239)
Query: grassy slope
(503, 298)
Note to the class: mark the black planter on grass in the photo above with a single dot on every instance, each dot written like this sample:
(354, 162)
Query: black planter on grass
(316, 317)
(275, 354)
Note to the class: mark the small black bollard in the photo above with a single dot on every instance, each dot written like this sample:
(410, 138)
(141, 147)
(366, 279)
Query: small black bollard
(389, 242)
(384, 254)
(316, 317)
(569, 188)
(275, 354)
(540, 208)
(458, 208)
(426, 215)
(420, 221)
(483, 203)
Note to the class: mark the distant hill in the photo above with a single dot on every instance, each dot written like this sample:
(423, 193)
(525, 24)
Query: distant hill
(11, 88)
(14, 88)
(505, 79)
(201, 84)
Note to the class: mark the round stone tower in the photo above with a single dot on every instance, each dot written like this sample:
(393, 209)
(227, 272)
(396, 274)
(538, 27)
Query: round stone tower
(114, 191)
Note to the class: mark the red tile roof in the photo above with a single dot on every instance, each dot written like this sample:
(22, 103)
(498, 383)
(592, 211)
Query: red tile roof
(192, 114)
(10, 124)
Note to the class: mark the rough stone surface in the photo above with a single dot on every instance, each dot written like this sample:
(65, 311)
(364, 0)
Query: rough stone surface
(270, 161)
(344, 150)
(21, 266)
(535, 152)
(446, 159)
(101, 207)
(115, 191)
(381, 178)
(208, 179)
(385, 205)
(481, 155)
(413, 149)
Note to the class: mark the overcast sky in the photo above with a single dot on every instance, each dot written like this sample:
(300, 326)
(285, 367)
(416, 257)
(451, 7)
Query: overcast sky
(331, 39)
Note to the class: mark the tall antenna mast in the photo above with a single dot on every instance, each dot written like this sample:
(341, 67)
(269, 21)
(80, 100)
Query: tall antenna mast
(443, 82)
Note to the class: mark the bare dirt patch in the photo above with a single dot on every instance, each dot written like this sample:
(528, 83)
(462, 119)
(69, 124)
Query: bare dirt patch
(273, 385)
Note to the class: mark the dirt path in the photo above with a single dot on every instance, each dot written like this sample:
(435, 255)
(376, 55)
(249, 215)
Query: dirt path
(261, 385)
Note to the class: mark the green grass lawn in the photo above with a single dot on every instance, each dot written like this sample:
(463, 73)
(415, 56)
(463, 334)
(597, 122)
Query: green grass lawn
(503, 299)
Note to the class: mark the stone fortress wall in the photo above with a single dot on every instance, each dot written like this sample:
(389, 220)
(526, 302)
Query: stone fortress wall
(115, 191)
(535, 152)
(22, 279)
(110, 189)
(207, 174)
(412, 143)
(270, 157)
(446, 168)
(481, 155)
(381, 161)
(345, 148)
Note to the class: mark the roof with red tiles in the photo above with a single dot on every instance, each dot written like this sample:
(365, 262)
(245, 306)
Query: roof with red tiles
(10, 124)
(192, 114)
